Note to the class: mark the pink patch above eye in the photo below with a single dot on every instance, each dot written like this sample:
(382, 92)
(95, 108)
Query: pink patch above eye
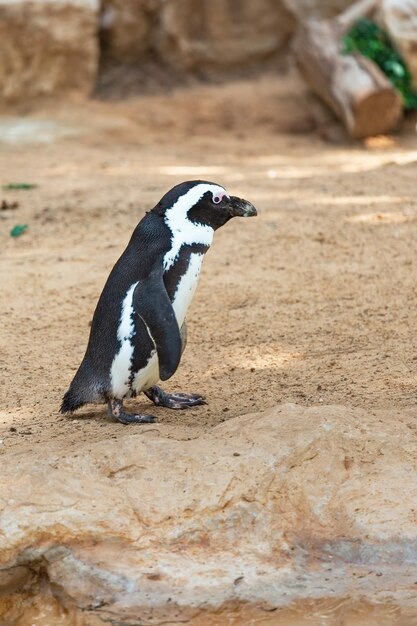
(219, 197)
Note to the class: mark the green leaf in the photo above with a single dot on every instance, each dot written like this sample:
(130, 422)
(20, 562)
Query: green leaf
(18, 230)
(13, 186)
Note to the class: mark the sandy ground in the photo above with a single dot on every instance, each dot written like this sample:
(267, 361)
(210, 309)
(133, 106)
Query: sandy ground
(314, 301)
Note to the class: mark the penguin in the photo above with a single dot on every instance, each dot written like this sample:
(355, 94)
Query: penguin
(138, 331)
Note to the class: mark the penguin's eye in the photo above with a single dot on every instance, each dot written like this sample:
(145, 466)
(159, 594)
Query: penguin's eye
(218, 198)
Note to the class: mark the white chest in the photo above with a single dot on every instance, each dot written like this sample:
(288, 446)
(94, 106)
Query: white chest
(186, 287)
(147, 376)
(183, 295)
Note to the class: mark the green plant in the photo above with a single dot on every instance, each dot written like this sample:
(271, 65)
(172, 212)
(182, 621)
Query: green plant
(367, 38)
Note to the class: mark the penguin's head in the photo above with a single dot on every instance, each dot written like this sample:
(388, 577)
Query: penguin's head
(201, 202)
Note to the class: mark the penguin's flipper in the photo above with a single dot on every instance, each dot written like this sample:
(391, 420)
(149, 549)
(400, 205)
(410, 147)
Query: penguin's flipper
(151, 302)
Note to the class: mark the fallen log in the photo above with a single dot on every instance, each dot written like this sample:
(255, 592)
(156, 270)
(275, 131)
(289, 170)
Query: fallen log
(351, 85)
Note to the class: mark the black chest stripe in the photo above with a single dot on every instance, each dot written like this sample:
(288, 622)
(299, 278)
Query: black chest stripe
(173, 276)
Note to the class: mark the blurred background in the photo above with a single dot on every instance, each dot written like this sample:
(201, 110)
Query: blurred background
(50, 47)
(359, 58)
(351, 54)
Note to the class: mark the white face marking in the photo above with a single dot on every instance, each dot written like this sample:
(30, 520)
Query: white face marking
(183, 230)
(120, 368)
(186, 288)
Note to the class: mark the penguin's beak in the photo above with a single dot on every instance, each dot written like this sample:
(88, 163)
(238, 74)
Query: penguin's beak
(240, 208)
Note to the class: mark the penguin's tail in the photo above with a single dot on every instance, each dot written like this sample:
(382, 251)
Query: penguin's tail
(84, 389)
(71, 402)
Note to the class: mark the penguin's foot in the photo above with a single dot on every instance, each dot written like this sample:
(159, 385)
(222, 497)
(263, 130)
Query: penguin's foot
(117, 411)
(173, 400)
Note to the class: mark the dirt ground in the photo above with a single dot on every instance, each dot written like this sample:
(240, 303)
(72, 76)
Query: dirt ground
(314, 301)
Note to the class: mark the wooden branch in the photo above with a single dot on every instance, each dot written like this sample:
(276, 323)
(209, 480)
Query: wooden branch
(352, 86)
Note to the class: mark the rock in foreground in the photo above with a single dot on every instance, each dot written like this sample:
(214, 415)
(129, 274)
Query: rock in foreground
(292, 504)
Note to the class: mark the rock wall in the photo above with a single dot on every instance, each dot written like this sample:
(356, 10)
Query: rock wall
(213, 34)
(47, 47)
(223, 34)
(263, 511)
(53, 46)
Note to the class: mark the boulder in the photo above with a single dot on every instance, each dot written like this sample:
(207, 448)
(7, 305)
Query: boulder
(292, 504)
(47, 47)
(220, 33)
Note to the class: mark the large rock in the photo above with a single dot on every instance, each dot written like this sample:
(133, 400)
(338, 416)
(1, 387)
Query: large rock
(269, 508)
(47, 46)
(212, 34)
(399, 17)
(222, 33)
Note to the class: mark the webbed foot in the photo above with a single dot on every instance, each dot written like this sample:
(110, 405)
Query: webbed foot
(117, 411)
(173, 400)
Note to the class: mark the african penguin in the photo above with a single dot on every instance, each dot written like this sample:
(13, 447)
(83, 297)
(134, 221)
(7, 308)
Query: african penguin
(138, 331)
